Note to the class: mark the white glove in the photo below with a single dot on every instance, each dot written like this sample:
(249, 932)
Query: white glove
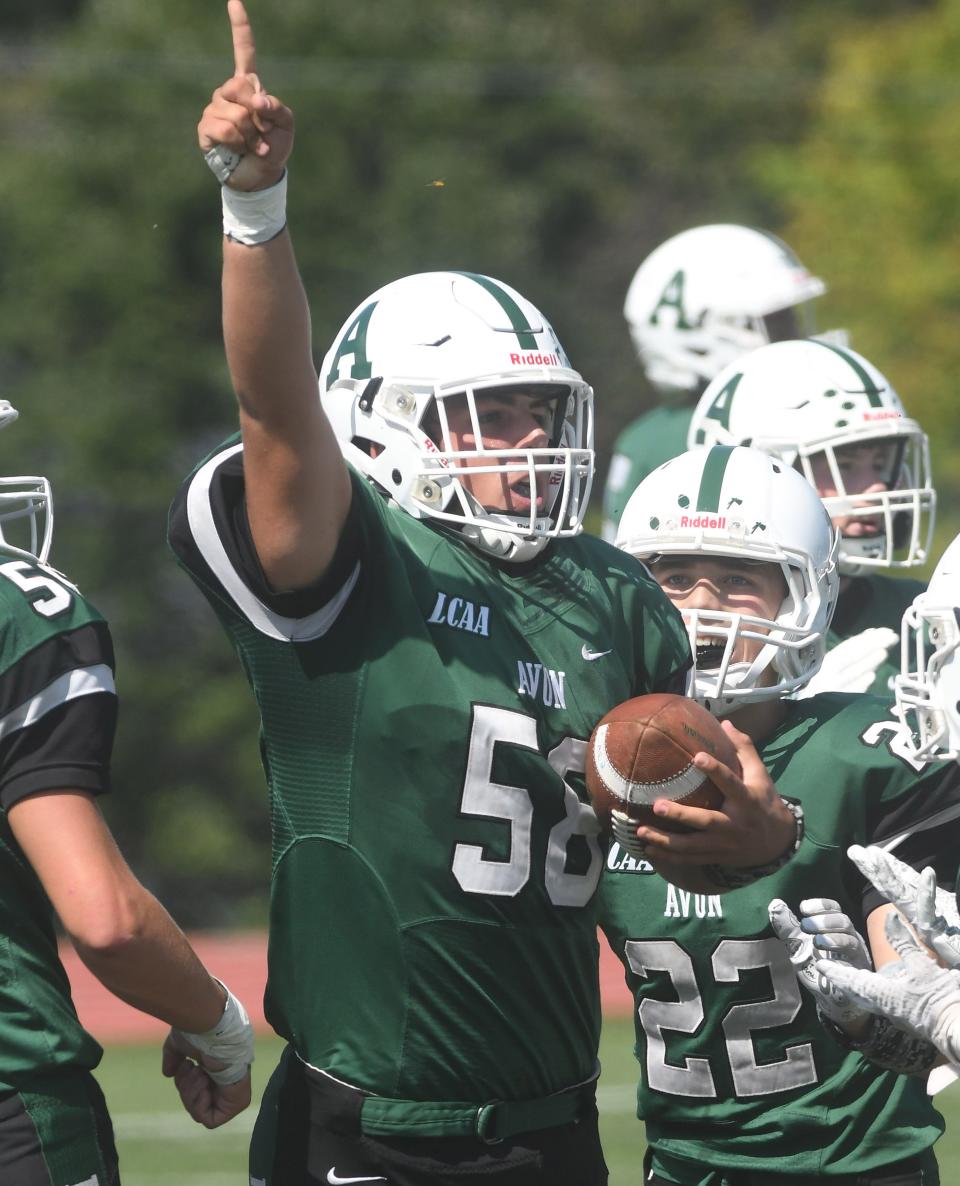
(852, 664)
(915, 993)
(932, 912)
(229, 1042)
(825, 927)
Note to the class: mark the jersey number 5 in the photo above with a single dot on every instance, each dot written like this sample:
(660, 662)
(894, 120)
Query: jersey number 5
(482, 796)
(54, 597)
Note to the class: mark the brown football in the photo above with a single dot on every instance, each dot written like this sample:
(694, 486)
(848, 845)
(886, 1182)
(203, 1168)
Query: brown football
(643, 750)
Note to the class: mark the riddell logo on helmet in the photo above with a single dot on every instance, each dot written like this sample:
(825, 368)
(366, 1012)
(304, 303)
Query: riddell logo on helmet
(886, 414)
(703, 520)
(534, 360)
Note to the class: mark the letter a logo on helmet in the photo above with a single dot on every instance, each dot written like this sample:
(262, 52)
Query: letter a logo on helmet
(672, 298)
(353, 343)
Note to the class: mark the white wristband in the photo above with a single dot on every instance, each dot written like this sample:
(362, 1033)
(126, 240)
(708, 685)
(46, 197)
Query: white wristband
(255, 216)
(230, 1041)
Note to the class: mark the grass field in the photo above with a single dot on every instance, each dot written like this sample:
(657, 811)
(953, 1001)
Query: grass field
(160, 1146)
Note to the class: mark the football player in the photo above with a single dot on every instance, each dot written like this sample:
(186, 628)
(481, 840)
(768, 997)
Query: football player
(916, 994)
(699, 301)
(431, 639)
(740, 1083)
(927, 687)
(830, 413)
(57, 716)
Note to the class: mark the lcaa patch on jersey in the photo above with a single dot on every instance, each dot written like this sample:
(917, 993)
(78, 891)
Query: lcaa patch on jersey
(678, 903)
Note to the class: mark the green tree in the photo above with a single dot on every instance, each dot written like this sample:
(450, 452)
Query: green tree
(550, 144)
(874, 188)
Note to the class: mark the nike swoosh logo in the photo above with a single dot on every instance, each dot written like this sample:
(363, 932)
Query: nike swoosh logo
(590, 655)
(334, 1178)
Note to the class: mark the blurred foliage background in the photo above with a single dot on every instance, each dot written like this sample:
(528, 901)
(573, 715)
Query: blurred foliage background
(570, 139)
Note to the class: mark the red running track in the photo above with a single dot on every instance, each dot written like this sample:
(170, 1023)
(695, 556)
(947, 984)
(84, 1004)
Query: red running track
(240, 960)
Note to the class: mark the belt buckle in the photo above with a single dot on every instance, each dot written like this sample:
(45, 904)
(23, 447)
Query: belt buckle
(485, 1116)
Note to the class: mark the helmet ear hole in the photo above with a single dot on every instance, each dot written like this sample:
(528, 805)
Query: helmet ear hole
(365, 445)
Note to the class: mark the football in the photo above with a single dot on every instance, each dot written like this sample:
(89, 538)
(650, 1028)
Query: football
(643, 750)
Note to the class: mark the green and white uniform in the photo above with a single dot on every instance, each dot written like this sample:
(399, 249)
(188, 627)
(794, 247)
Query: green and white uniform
(644, 444)
(425, 713)
(737, 1073)
(57, 720)
(874, 600)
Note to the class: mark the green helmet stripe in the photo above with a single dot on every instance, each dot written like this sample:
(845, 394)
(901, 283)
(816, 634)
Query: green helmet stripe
(711, 480)
(521, 327)
(871, 389)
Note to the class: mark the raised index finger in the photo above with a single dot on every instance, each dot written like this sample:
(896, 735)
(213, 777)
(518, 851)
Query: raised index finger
(244, 47)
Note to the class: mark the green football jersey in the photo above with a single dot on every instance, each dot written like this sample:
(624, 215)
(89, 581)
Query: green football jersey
(641, 447)
(57, 716)
(424, 716)
(875, 600)
(736, 1070)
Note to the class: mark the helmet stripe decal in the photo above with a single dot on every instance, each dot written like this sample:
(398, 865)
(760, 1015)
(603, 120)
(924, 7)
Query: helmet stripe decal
(711, 480)
(521, 327)
(870, 388)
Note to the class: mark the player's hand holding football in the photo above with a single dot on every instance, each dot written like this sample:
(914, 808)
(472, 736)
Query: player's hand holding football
(245, 134)
(752, 828)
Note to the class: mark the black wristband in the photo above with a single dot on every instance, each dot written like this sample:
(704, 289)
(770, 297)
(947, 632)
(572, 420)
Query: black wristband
(728, 877)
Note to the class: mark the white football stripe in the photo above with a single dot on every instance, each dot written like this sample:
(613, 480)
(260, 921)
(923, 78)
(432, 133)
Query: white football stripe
(81, 681)
(675, 787)
(207, 538)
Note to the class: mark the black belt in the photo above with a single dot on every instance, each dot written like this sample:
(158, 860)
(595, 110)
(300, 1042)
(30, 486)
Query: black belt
(490, 1122)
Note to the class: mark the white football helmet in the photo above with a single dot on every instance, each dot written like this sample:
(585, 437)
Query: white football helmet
(26, 507)
(927, 689)
(422, 341)
(800, 399)
(710, 294)
(744, 504)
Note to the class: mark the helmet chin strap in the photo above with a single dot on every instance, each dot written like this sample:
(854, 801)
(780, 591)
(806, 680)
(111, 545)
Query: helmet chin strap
(855, 550)
(504, 545)
(739, 677)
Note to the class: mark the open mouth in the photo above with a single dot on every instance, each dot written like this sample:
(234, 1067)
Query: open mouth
(709, 656)
(863, 529)
(521, 492)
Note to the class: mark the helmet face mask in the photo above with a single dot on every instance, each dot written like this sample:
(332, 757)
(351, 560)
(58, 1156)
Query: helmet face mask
(26, 508)
(815, 406)
(927, 690)
(711, 294)
(900, 518)
(434, 354)
(26, 517)
(741, 505)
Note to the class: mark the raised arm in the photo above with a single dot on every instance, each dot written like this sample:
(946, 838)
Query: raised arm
(297, 485)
